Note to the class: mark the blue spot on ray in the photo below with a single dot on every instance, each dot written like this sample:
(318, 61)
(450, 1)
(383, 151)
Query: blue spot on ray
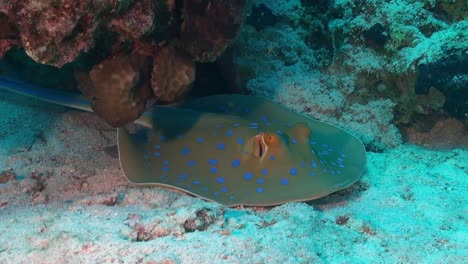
(224, 189)
(284, 181)
(196, 182)
(260, 180)
(157, 146)
(212, 161)
(248, 176)
(235, 163)
(229, 133)
(293, 171)
(294, 141)
(200, 140)
(272, 157)
(220, 146)
(157, 154)
(191, 163)
(220, 180)
(240, 141)
(185, 151)
(265, 171)
(213, 170)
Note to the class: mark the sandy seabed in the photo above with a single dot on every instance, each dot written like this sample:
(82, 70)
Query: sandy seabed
(64, 199)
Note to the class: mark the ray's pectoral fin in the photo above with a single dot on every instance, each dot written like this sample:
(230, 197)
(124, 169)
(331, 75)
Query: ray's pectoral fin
(131, 146)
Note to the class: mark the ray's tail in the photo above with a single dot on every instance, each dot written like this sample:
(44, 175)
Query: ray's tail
(44, 94)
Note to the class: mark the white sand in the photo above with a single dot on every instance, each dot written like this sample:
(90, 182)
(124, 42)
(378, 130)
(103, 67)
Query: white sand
(70, 203)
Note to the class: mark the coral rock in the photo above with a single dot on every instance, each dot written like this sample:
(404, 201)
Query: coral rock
(137, 21)
(450, 76)
(445, 134)
(117, 88)
(172, 76)
(8, 35)
(54, 32)
(209, 26)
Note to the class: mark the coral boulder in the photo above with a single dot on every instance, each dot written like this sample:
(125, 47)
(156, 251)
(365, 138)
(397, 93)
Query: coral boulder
(117, 88)
(173, 73)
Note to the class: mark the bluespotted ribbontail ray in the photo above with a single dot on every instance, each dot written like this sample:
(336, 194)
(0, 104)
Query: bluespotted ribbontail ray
(231, 149)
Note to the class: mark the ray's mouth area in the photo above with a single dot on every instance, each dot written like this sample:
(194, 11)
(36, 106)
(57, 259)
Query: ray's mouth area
(260, 147)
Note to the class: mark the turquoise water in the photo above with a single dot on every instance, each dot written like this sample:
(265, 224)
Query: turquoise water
(392, 73)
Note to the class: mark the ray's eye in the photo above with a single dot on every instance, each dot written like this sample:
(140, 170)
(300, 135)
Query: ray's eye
(270, 139)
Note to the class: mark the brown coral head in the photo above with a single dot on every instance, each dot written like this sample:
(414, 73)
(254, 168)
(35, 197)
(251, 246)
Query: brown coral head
(118, 88)
(172, 76)
(209, 26)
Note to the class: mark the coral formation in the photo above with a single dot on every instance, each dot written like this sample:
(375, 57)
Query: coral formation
(53, 32)
(172, 75)
(136, 21)
(329, 58)
(449, 76)
(8, 35)
(84, 35)
(209, 26)
(444, 134)
(117, 88)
